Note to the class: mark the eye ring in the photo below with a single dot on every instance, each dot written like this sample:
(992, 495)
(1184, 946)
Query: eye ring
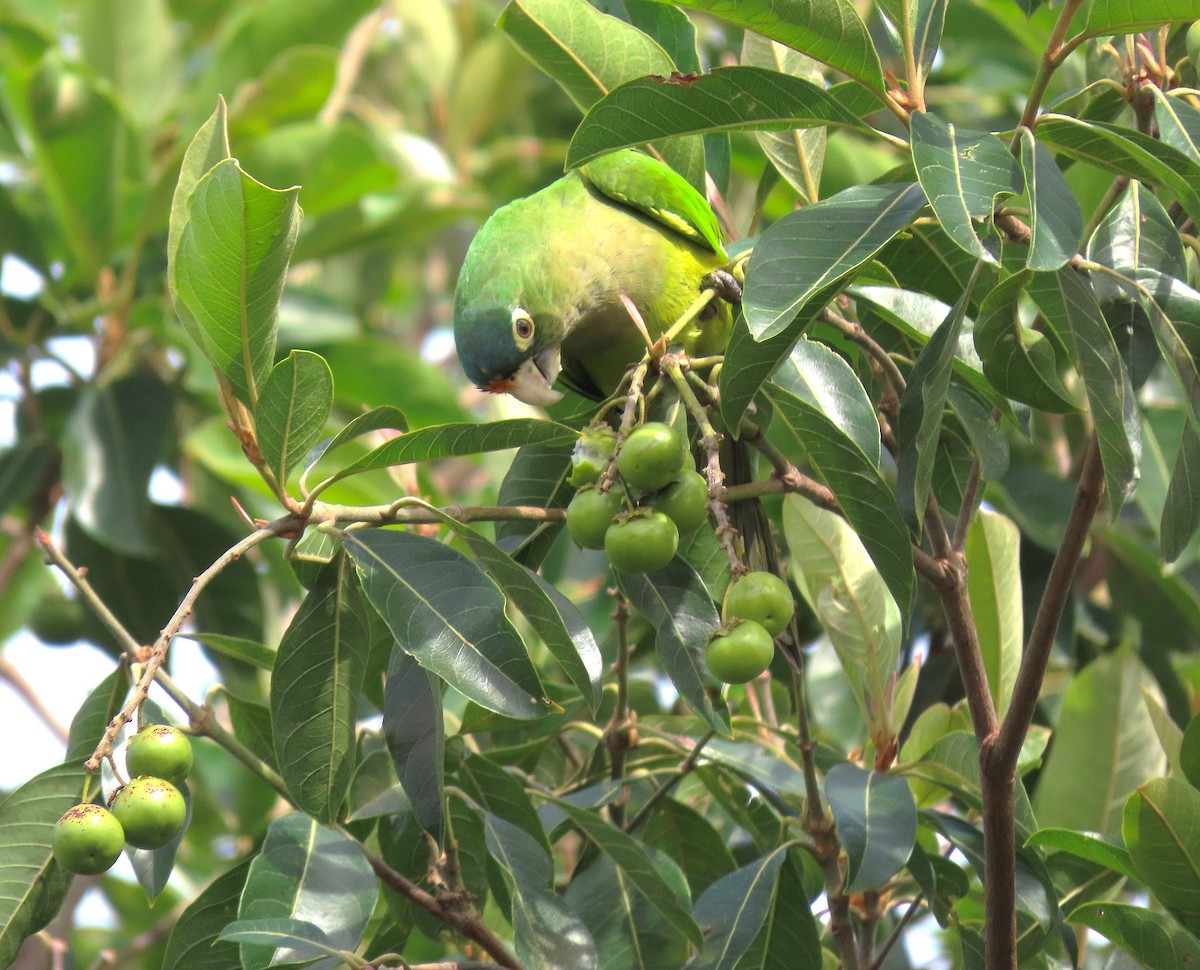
(523, 327)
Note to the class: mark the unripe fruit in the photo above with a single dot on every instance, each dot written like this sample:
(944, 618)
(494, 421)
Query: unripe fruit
(589, 515)
(159, 751)
(87, 840)
(762, 597)
(651, 457)
(151, 811)
(685, 502)
(1193, 46)
(640, 543)
(57, 619)
(590, 456)
(741, 653)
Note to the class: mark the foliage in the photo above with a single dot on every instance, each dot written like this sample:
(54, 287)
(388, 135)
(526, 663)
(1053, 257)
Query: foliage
(967, 366)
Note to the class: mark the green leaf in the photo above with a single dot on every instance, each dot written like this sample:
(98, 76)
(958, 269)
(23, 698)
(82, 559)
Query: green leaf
(731, 911)
(548, 934)
(552, 616)
(678, 606)
(1181, 510)
(308, 872)
(1126, 152)
(1161, 827)
(923, 21)
(130, 43)
(691, 840)
(1056, 220)
(1156, 941)
(537, 477)
(375, 790)
(749, 362)
(1067, 299)
(208, 147)
(808, 251)
(80, 145)
(318, 673)
(382, 418)
(454, 440)
(952, 762)
(825, 30)
(876, 823)
(724, 99)
(589, 54)
(1136, 233)
(1178, 123)
(32, 886)
(824, 380)
(1085, 846)
(798, 154)
(101, 706)
(502, 794)
(238, 648)
(1126, 16)
(416, 736)
(850, 599)
(1019, 361)
(864, 497)
(1189, 752)
(921, 409)
(791, 937)
(631, 859)
(963, 173)
(113, 441)
(304, 940)
(994, 587)
(194, 943)
(630, 934)
(293, 407)
(228, 272)
(1106, 736)
(444, 610)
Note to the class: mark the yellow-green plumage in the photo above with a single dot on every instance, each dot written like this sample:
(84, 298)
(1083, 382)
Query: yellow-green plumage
(564, 256)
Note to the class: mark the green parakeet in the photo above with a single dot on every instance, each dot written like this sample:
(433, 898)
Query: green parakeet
(540, 289)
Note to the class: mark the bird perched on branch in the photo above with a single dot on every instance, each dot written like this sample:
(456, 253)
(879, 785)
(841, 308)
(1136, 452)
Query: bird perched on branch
(540, 290)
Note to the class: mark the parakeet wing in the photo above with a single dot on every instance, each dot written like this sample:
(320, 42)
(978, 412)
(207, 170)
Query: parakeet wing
(657, 190)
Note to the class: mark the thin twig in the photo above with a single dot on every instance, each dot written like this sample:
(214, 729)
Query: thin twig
(894, 936)
(465, 920)
(661, 792)
(158, 652)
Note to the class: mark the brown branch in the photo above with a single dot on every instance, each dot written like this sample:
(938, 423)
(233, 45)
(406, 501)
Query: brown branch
(158, 652)
(855, 333)
(465, 920)
(1036, 655)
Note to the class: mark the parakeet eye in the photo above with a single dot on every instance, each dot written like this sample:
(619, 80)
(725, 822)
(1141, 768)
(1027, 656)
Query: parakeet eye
(522, 324)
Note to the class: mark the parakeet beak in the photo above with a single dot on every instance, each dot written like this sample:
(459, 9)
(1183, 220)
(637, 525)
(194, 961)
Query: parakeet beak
(532, 382)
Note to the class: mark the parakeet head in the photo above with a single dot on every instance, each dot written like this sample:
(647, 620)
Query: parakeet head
(505, 350)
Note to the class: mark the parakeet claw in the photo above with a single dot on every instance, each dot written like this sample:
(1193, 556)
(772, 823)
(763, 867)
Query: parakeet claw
(532, 382)
(726, 285)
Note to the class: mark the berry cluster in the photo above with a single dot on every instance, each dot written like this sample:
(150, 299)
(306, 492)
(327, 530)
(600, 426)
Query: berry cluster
(667, 496)
(758, 607)
(147, 813)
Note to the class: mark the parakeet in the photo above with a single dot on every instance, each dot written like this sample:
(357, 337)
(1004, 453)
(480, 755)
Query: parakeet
(540, 288)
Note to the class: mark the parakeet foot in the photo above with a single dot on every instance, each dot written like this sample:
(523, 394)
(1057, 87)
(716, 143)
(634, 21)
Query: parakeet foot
(724, 282)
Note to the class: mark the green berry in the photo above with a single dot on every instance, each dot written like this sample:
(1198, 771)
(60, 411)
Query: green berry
(651, 457)
(590, 456)
(159, 751)
(685, 502)
(762, 597)
(589, 515)
(641, 542)
(87, 840)
(151, 811)
(740, 653)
